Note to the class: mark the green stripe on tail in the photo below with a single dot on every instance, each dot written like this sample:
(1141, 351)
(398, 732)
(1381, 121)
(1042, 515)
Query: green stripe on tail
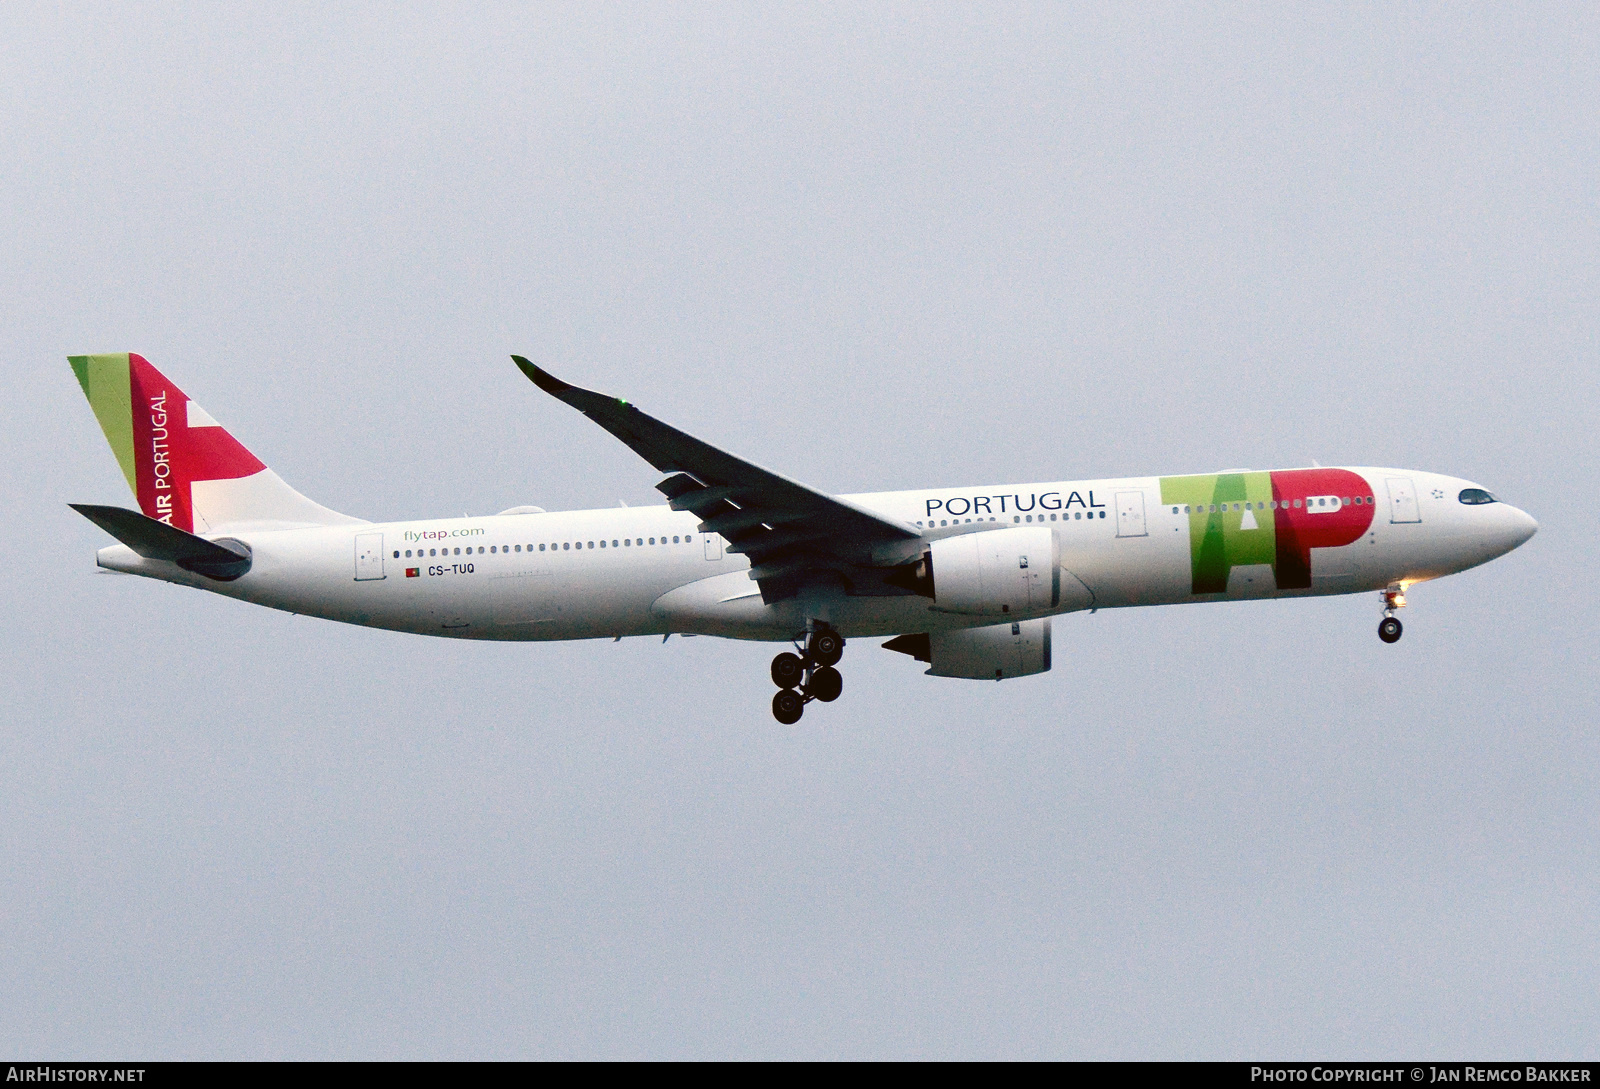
(106, 382)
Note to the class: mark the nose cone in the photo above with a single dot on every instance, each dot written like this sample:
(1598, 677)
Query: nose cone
(1522, 528)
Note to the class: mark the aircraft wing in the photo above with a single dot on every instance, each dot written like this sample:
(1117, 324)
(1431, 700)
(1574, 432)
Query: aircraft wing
(792, 534)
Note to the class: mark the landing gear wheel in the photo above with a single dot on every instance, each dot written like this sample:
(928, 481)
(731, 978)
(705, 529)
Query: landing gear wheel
(788, 670)
(787, 706)
(1389, 631)
(826, 684)
(827, 648)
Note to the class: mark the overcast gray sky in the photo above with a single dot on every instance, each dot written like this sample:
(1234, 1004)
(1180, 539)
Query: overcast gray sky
(915, 245)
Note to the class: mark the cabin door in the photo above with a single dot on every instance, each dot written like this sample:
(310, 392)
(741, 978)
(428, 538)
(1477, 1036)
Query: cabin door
(1403, 500)
(1130, 515)
(369, 556)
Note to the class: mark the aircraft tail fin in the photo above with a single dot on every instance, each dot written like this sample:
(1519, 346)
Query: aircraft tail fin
(185, 469)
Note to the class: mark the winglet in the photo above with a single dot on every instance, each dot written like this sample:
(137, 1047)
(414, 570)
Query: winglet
(546, 381)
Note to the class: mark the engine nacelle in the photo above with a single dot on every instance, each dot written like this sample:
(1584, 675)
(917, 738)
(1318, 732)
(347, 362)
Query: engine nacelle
(998, 572)
(992, 653)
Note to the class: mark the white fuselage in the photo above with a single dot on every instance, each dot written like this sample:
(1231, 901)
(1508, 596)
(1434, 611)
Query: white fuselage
(649, 570)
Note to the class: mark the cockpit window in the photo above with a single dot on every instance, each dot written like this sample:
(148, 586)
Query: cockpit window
(1474, 496)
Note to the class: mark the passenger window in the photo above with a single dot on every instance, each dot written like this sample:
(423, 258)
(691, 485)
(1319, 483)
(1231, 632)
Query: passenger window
(674, 540)
(602, 544)
(397, 554)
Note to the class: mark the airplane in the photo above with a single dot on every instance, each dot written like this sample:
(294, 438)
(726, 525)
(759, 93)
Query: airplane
(963, 579)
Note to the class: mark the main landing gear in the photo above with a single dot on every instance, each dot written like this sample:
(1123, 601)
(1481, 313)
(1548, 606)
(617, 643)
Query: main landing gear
(1390, 629)
(808, 675)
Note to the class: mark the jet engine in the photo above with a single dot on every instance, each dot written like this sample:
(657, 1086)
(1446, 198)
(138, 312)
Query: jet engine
(998, 572)
(995, 652)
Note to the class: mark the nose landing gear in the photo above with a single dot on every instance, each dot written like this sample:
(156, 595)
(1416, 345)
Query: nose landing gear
(808, 675)
(1390, 629)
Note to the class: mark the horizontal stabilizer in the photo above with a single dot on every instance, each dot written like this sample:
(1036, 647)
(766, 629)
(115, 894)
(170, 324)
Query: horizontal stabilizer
(158, 541)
